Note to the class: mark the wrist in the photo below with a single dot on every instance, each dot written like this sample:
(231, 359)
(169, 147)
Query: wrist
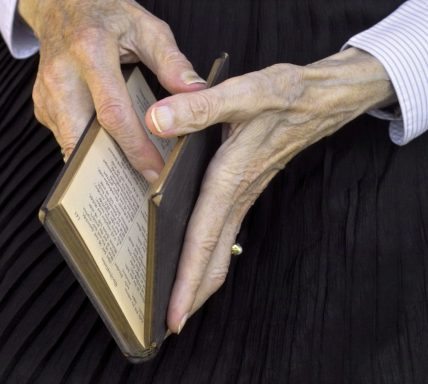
(361, 77)
(28, 11)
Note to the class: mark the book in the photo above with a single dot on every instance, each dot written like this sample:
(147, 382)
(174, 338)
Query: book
(120, 236)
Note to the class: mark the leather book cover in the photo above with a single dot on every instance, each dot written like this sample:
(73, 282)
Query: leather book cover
(176, 198)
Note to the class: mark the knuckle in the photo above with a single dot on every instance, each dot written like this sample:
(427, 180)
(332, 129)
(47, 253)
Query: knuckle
(68, 141)
(202, 109)
(85, 41)
(37, 99)
(172, 55)
(282, 68)
(162, 28)
(84, 37)
(207, 246)
(67, 150)
(50, 81)
(52, 74)
(204, 245)
(113, 116)
(166, 48)
(135, 152)
(39, 111)
(217, 276)
(294, 74)
(39, 115)
(158, 28)
(282, 84)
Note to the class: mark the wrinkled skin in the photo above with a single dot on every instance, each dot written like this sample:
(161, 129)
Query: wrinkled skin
(273, 114)
(82, 43)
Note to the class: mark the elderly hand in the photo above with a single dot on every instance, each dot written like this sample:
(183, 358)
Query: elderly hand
(274, 114)
(82, 43)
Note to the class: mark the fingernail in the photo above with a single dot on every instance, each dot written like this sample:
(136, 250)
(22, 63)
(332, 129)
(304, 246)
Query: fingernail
(191, 77)
(168, 333)
(162, 118)
(182, 322)
(150, 176)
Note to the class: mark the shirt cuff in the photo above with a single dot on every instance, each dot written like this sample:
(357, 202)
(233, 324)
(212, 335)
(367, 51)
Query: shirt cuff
(18, 36)
(400, 43)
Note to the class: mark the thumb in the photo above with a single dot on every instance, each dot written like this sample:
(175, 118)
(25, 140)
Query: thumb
(237, 99)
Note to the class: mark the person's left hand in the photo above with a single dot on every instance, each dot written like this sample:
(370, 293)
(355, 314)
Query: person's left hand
(274, 114)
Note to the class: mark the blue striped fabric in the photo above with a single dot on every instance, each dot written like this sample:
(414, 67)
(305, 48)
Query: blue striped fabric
(18, 37)
(400, 43)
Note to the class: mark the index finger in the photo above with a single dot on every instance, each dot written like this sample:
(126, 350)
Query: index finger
(100, 65)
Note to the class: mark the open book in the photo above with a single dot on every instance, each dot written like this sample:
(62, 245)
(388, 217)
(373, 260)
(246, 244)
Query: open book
(121, 237)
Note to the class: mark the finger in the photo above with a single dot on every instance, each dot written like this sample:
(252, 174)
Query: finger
(234, 100)
(44, 118)
(218, 266)
(203, 232)
(41, 112)
(68, 131)
(101, 70)
(67, 104)
(225, 198)
(156, 47)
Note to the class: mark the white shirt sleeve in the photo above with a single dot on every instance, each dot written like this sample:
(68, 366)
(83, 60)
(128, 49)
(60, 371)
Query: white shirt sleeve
(400, 43)
(19, 37)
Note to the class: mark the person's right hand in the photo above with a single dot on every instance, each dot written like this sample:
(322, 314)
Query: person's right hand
(82, 43)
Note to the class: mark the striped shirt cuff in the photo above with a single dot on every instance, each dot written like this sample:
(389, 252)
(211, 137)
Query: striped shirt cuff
(17, 35)
(400, 43)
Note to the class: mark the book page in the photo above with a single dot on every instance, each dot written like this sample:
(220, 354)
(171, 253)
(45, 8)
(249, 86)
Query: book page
(142, 98)
(107, 202)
